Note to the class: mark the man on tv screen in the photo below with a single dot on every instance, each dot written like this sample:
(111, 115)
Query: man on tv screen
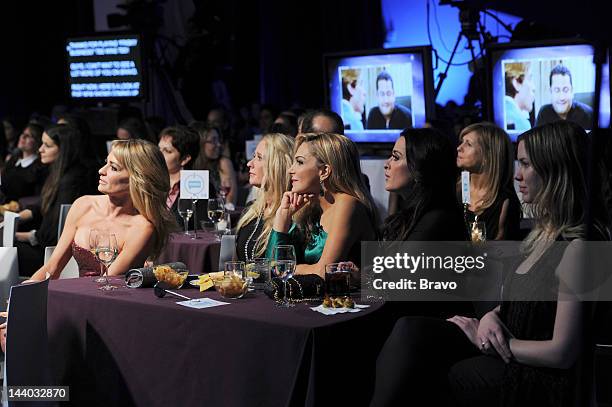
(563, 106)
(388, 115)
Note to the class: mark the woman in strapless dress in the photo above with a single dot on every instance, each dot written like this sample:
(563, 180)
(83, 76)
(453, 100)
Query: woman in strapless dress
(134, 183)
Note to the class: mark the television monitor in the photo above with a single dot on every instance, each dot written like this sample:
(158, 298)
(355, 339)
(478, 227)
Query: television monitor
(378, 93)
(105, 66)
(538, 82)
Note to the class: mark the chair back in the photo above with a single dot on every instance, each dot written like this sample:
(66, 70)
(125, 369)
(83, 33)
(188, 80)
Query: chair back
(64, 208)
(9, 273)
(227, 251)
(8, 230)
(26, 335)
(72, 267)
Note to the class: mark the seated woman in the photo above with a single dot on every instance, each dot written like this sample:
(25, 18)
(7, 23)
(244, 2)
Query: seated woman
(334, 212)
(180, 146)
(422, 171)
(66, 182)
(268, 171)
(134, 183)
(221, 170)
(24, 174)
(486, 152)
(533, 346)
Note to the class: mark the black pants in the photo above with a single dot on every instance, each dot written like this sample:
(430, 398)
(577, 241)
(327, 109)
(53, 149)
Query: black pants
(424, 358)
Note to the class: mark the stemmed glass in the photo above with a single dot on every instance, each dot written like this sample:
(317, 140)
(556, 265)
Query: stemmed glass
(93, 235)
(185, 210)
(106, 252)
(284, 267)
(216, 212)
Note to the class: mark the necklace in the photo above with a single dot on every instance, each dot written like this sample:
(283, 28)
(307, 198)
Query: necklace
(246, 245)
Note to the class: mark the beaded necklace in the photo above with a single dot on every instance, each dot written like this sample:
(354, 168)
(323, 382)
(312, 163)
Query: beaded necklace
(246, 246)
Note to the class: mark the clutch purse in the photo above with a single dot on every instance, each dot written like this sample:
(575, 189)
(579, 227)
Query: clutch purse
(305, 287)
(144, 277)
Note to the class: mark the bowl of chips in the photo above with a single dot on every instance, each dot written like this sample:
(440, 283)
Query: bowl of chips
(231, 286)
(174, 278)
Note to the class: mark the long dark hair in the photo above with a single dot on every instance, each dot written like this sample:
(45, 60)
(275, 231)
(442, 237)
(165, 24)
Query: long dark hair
(69, 142)
(431, 164)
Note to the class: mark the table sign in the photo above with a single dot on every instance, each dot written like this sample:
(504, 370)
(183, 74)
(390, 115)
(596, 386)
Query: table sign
(194, 184)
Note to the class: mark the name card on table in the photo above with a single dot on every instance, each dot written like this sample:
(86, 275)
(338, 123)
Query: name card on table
(200, 303)
(465, 187)
(194, 184)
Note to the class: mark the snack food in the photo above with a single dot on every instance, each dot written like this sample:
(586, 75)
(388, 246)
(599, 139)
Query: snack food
(338, 302)
(232, 286)
(168, 275)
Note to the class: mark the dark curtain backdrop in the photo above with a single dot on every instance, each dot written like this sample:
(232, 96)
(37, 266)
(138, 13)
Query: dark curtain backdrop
(295, 35)
(33, 68)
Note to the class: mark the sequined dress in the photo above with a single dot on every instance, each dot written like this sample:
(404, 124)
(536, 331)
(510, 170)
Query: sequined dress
(88, 264)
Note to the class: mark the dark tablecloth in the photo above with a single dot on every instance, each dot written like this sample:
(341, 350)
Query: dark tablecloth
(128, 347)
(200, 255)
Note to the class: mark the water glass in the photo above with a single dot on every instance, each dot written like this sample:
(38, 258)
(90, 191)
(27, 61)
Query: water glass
(284, 267)
(258, 273)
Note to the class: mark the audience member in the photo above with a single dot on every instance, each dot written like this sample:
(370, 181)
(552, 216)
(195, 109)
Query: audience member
(268, 171)
(60, 150)
(132, 127)
(134, 183)
(285, 123)
(486, 152)
(422, 171)
(333, 209)
(320, 121)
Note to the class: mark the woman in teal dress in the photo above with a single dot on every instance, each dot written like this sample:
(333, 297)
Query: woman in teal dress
(329, 211)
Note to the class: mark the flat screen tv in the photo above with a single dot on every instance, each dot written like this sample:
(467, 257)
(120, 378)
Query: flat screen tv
(378, 93)
(105, 66)
(539, 82)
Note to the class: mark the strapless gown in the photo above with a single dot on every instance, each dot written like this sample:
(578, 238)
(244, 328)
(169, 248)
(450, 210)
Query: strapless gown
(88, 264)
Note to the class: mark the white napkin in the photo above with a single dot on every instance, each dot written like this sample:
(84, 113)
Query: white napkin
(333, 311)
(201, 303)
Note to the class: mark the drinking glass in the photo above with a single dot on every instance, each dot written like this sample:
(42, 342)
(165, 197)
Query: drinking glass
(93, 234)
(106, 252)
(337, 279)
(258, 272)
(185, 209)
(234, 283)
(284, 267)
(216, 212)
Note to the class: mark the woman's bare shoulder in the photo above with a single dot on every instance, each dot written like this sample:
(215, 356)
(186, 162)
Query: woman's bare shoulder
(87, 203)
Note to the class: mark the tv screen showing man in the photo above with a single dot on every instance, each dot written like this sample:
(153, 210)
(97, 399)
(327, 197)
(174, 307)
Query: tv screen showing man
(388, 114)
(563, 106)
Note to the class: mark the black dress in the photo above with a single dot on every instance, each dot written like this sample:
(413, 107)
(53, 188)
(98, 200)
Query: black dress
(490, 216)
(242, 236)
(19, 182)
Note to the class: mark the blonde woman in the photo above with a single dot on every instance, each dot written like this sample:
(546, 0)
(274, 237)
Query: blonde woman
(134, 183)
(486, 152)
(268, 171)
(332, 207)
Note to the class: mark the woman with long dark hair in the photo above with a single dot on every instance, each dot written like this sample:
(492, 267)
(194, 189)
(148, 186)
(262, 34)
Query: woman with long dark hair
(67, 181)
(422, 171)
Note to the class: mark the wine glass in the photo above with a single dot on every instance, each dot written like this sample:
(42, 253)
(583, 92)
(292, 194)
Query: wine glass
(284, 267)
(93, 235)
(216, 212)
(185, 209)
(106, 252)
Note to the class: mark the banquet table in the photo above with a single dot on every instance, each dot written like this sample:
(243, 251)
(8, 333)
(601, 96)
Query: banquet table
(128, 347)
(199, 255)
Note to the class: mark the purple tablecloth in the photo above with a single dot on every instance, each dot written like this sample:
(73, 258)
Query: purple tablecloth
(200, 255)
(128, 347)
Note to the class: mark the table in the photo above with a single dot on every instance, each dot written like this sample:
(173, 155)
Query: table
(128, 347)
(199, 255)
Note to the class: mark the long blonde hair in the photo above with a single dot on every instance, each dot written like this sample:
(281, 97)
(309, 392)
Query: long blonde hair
(342, 155)
(149, 185)
(496, 150)
(277, 160)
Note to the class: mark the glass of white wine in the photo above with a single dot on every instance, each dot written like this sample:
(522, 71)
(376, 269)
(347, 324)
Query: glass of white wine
(93, 235)
(185, 210)
(106, 252)
(216, 212)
